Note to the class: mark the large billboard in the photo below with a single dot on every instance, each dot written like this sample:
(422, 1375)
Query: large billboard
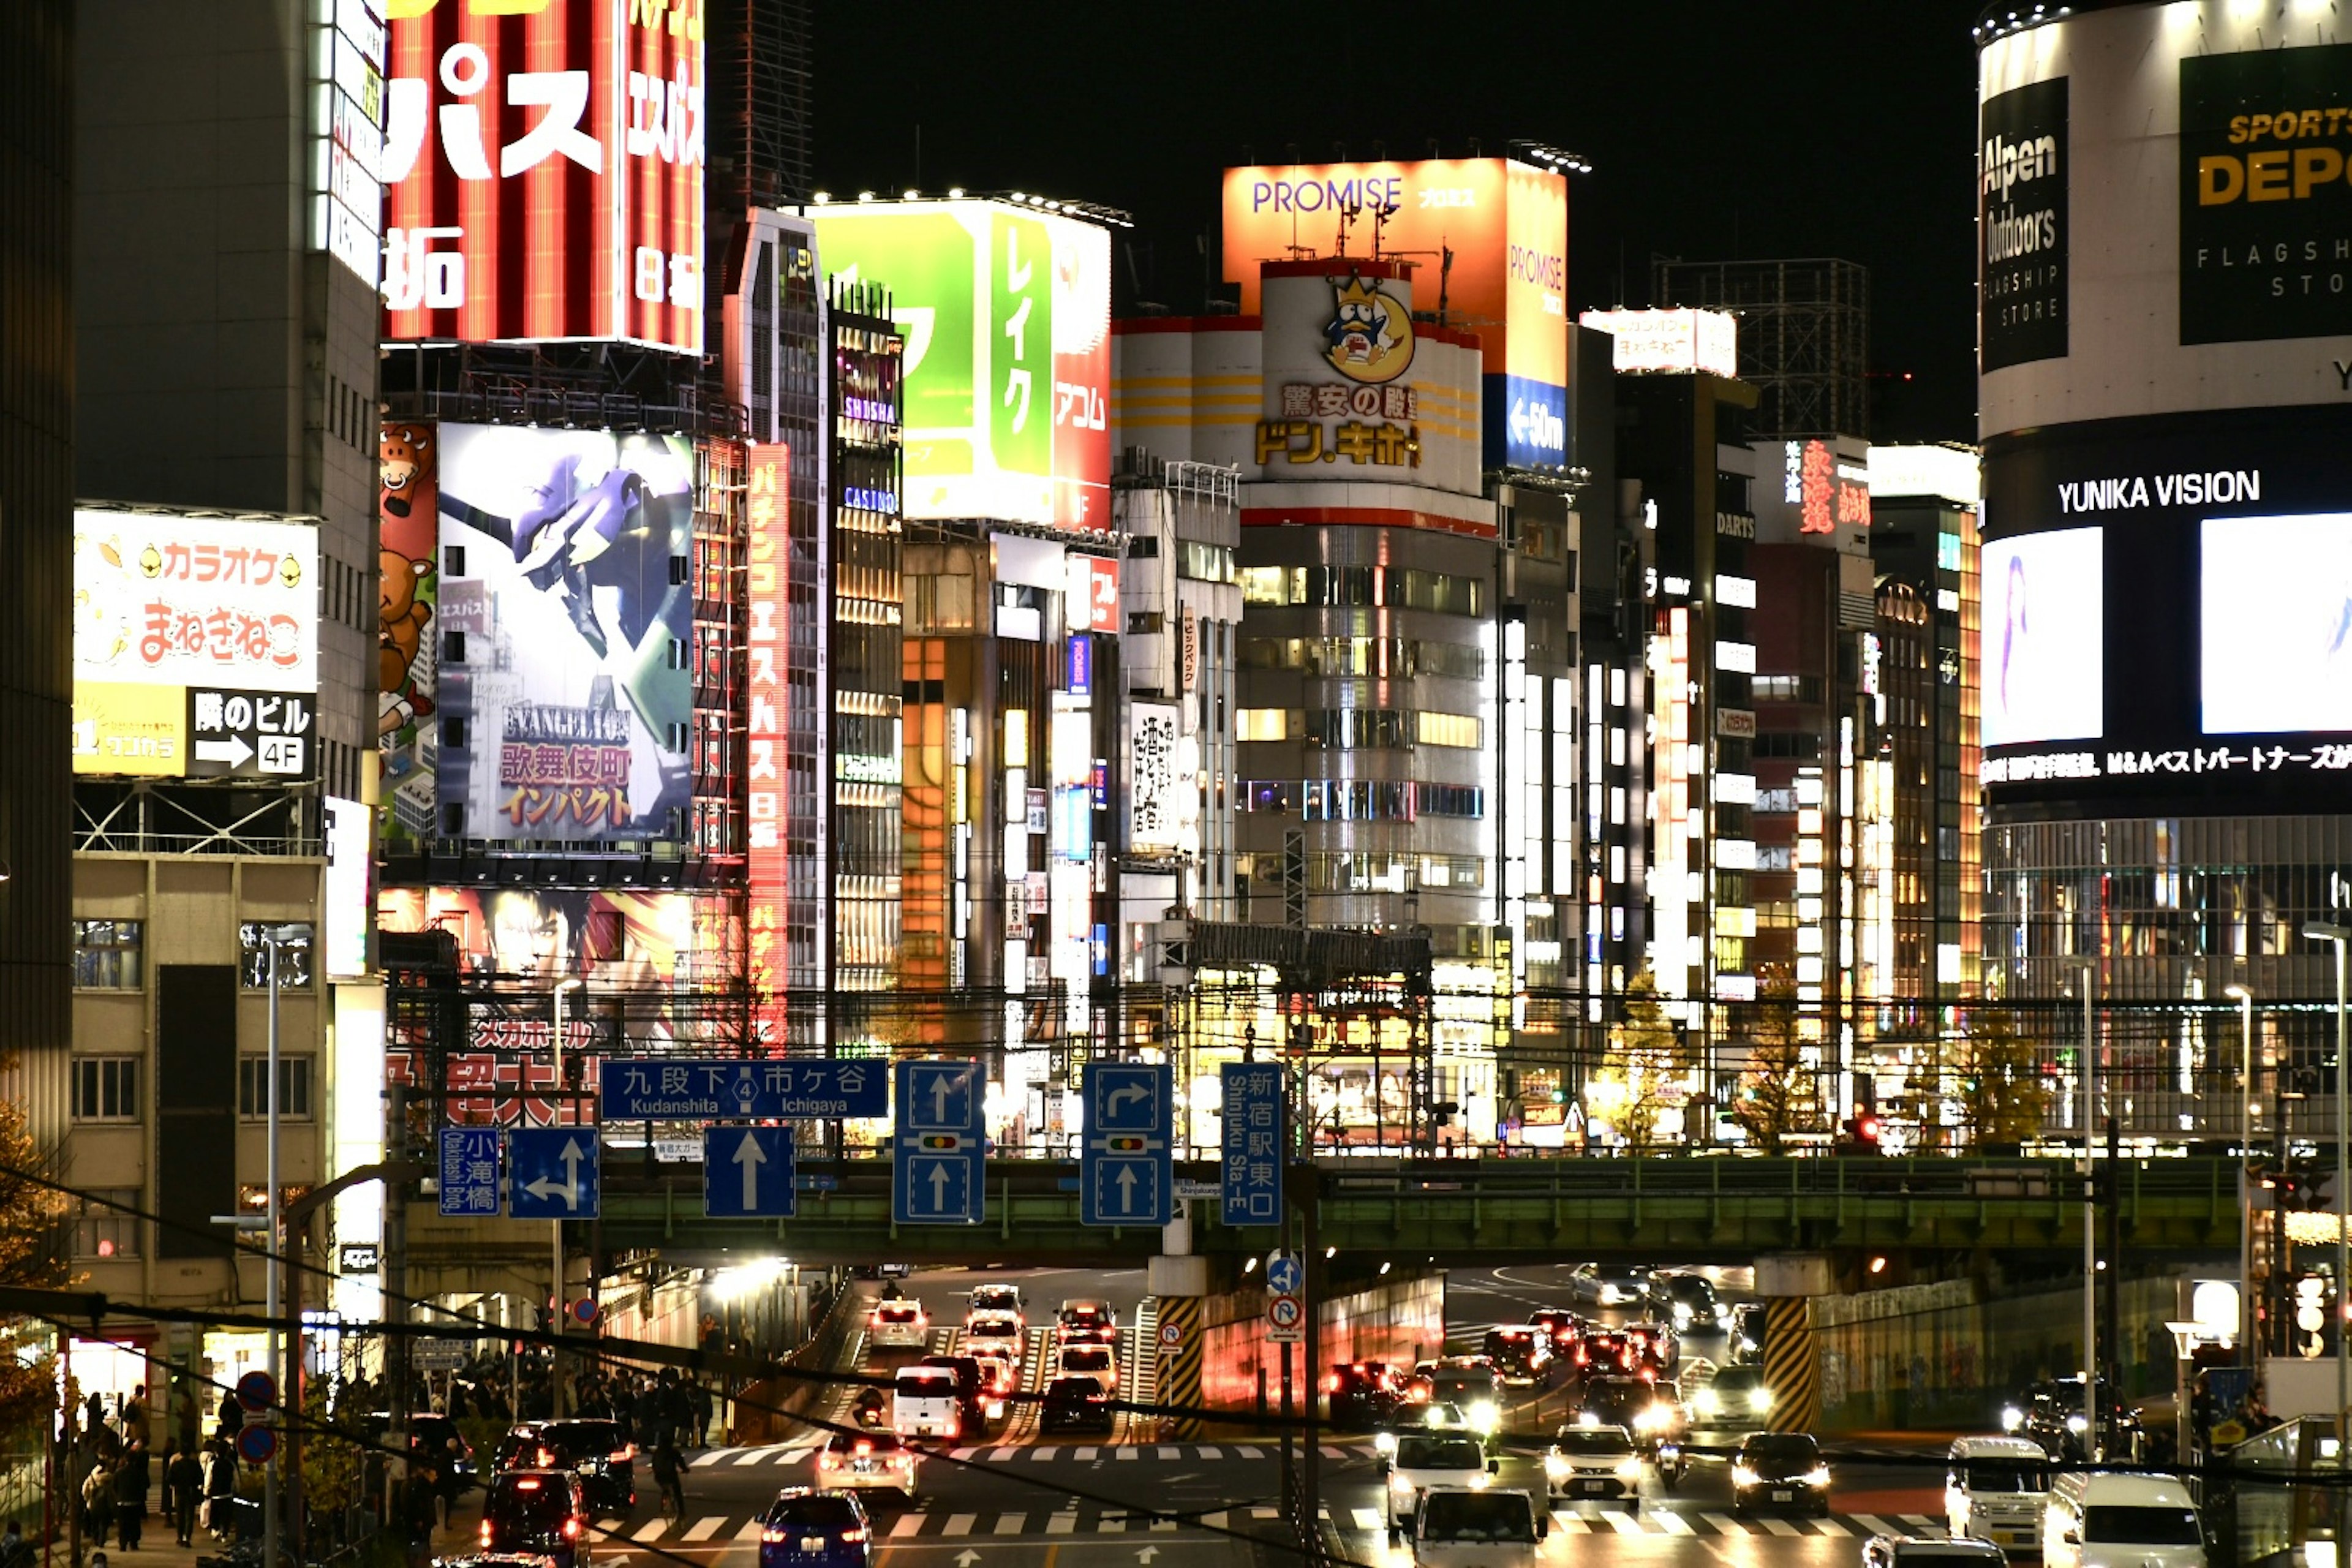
(565, 621)
(2165, 217)
(1502, 224)
(408, 591)
(196, 646)
(542, 171)
(1006, 312)
(2167, 613)
(767, 694)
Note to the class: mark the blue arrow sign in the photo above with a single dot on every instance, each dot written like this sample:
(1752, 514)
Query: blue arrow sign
(470, 1169)
(1283, 1274)
(552, 1173)
(939, 1146)
(669, 1089)
(1251, 1142)
(1126, 1173)
(747, 1172)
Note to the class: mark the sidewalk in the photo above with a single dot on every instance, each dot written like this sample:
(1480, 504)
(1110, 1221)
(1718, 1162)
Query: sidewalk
(159, 1548)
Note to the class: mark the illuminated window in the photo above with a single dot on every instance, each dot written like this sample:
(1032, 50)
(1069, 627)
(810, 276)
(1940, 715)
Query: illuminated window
(1265, 585)
(1447, 730)
(107, 954)
(294, 943)
(101, 1228)
(1261, 724)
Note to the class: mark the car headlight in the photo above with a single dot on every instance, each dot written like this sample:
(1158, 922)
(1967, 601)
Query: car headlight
(2011, 1418)
(1588, 1419)
(1652, 1419)
(1481, 1481)
(1706, 1402)
(1817, 1477)
(1629, 1467)
(1556, 1466)
(1385, 1442)
(1611, 1295)
(2078, 1425)
(1399, 1483)
(1744, 1475)
(1681, 1314)
(1760, 1400)
(1485, 1417)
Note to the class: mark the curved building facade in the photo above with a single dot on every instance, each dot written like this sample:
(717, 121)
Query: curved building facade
(2164, 250)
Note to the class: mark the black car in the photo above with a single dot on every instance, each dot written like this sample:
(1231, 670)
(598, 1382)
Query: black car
(542, 1513)
(1632, 1403)
(429, 1438)
(2053, 1416)
(598, 1451)
(1744, 1340)
(1074, 1405)
(1780, 1471)
(1361, 1395)
(1521, 1353)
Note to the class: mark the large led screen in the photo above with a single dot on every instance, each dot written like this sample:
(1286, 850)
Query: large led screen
(566, 621)
(2044, 629)
(2275, 599)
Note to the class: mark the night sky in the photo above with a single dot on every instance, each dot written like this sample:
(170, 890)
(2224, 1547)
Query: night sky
(1718, 129)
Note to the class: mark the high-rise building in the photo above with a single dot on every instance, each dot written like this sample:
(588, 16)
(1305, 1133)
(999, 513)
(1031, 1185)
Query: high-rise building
(37, 491)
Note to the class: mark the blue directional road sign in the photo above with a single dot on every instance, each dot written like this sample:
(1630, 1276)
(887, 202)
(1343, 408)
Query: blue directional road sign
(553, 1173)
(746, 1172)
(1285, 1274)
(470, 1169)
(939, 1146)
(1128, 1175)
(671, 1088)
(1252, 1143)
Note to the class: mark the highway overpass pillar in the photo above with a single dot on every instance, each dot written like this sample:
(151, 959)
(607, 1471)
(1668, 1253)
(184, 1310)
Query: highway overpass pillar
(1791, 1362)
(1179, 1281)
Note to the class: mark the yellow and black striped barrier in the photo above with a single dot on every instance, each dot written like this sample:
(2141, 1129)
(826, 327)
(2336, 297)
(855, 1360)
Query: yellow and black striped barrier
(1178, 1353)
(1792, 1371)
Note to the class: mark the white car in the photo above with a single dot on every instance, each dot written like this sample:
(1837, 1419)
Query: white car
(924, 1403)
(1096, 1360)
(1456, 1527)
(999, 1330)
(1422, 1462)
(898, 1325)
(871, 1461)
(1594, 1464)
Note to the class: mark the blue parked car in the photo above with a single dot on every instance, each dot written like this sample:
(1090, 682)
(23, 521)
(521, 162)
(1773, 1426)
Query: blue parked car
(805, 1528)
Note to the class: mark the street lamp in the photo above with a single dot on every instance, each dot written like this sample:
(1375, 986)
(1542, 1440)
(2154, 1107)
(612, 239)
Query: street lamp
(2321, 931)
(555, 1296)
(2089, 969)
(2245, 1000)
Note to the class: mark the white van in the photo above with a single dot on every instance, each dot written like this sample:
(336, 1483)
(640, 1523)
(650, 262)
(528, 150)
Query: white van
(1454, 1527)
(924, 1405)
(2099, 1519)
(1994, 1489)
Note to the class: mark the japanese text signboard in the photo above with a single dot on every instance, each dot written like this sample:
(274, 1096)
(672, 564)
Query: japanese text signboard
(542, 171)
(659, 1088)
(767, 607)
(1252, 1143)
(196, 646)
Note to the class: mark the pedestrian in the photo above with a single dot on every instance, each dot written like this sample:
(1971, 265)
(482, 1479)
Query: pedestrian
(98, 1501)
(131, 1498)
(98, 1560)
(185, 1479)
(134, 1421)
(220, 1489)
(416, 1512)
(13, 1550)
(187, 1419)
(445, 1481)
(698, 1398)
(667, 1477)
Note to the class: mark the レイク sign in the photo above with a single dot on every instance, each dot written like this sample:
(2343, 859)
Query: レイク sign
(542, 171)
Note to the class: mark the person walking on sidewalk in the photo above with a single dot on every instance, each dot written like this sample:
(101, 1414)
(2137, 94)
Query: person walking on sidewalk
(131, 1498)
(186, 1479)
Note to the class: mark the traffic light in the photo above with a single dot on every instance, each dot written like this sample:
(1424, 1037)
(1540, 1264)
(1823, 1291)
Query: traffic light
(1862, 1134)
(1443, 1111)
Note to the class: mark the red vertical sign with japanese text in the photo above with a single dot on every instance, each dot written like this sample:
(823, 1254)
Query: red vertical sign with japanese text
(769, 482)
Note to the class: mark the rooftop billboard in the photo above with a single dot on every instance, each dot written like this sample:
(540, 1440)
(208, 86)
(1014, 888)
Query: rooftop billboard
(1006, 312)
(1505, 226)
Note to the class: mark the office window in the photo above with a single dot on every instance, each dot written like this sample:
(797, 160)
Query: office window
(293, 1088)
(1261, 724)
(106, 1088)
(293, 956)
(101, 1228)
(107, 954)
(1447, 730)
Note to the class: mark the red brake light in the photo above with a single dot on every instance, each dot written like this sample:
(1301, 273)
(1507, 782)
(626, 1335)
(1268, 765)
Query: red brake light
(570, 1530)
(1331, 1383)
(486, 1535)
(864, 1446)
(771, 1534)
(527, 1483)
(853, 1535)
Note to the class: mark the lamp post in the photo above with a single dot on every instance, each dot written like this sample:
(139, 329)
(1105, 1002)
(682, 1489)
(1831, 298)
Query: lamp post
(2245, 1000)
(273, 938)
(555, 1296)
(2088, 968)
(2321, 931)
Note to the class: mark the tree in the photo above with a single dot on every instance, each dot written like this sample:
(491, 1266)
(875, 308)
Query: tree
(1648, 1069)
(30, 1255)
(1778, 1094)
(2000, 1089)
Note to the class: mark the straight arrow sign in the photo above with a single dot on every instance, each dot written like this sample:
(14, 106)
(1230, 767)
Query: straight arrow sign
(748, 1156)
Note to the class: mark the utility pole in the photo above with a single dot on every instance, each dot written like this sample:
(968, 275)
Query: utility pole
(397, 1361)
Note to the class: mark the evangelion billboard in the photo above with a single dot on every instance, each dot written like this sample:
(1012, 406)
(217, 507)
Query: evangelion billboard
(1006, 312)
(565, 620)
(542, 171)
(1506, 225)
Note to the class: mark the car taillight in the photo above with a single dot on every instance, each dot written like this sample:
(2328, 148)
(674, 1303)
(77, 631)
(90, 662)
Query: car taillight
(771, 1535)
(853, 1535)
(955, 1425)
(486, 1535)
(828, 1461)
(627, 1451)
(864, 1447)
(1331, 1383)
(571, 1530)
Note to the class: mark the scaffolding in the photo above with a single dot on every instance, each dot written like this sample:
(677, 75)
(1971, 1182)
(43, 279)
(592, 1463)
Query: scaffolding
(1804, 335)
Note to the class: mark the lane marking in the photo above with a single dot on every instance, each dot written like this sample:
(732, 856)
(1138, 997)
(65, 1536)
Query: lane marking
(652, 1529)
(1010, 1523)
(1779, 1527)
(704, 1528)
(908, 1523)
(960, 1523)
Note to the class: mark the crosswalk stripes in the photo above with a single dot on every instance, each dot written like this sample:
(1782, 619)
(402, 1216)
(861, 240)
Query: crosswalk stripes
(796, 1450)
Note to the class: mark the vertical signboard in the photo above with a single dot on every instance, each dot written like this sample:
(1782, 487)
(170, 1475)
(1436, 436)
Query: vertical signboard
(567, 620)
(348, 44)
(542, 170)
(408, 591)
(1152, 780)
(196, 646)
(1006, 312)
(768, 477)
(1252, 1143)
(2021, 225)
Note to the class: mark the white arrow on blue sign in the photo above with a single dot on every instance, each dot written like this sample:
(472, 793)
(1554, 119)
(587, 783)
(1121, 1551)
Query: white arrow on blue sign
(1283, 1274)
(1128, 1173)
(747, 1172)
(939, 1144)
(552, 1173)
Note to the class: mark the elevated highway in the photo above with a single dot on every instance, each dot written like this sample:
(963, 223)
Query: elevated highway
(1695, 1209)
